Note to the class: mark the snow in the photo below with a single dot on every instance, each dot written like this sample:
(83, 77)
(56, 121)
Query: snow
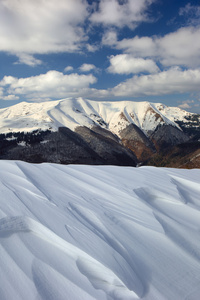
(98, 232)
(22, 143)
(71, 113)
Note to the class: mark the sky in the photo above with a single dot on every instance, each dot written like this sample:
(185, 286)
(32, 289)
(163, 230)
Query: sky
(106, 50)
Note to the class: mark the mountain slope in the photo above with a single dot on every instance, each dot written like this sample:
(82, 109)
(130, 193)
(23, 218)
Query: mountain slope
(134, 138)
(98, 232)
(71, 113)
(185, 155)
(120, 133)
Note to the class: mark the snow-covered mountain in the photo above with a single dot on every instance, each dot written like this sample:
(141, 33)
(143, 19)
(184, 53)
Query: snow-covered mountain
(71, 113)
(85, 131)
(98, 232)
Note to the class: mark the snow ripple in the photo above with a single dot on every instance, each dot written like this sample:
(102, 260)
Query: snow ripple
(98, 232)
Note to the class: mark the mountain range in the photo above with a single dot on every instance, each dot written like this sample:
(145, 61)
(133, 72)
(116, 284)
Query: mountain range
(92, 132)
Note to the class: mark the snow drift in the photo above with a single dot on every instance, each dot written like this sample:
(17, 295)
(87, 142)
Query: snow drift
(98, 232)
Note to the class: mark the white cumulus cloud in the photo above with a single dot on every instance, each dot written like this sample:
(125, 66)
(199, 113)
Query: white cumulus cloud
(30, 27)
(127, 64)
(68, 69)
(87, 67)
(52, 85)
(167, 82)
(121, 13)
(181, 47)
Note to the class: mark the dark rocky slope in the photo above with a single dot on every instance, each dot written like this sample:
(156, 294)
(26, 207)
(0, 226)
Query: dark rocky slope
(167, 146)
(85, 146)
(185, 155)
(134, 139)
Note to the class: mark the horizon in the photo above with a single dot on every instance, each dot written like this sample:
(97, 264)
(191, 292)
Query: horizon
(101, 50)
(92, 100)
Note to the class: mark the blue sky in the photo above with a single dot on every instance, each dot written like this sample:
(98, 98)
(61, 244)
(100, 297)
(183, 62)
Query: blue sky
(100, 49)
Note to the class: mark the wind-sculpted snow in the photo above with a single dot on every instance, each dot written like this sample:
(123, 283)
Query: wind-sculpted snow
(98, 232)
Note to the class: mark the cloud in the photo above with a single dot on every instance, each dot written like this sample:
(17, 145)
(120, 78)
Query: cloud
(39, 27)
(186, 104)
(109, 38)
(87, 67)
(92, 48)
(10, 97)
(192, 14)
(181, 47)
(120, 13)
(56, 85)
(68, 69)
(52, 85)
(42, 27)
(138, 46)
(28, 59)
(127, 64)
(167, 82)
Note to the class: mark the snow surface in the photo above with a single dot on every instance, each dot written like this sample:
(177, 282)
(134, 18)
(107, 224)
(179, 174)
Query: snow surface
(98, 232)
(71, 113)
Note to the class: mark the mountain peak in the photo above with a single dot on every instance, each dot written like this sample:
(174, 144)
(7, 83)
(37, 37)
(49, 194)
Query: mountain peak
(71, 113)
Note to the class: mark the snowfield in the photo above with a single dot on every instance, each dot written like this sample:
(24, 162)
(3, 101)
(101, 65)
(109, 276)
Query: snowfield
(98, 232)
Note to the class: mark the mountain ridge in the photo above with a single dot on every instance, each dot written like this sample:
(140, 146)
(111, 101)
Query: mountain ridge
(75, 112)
(143, 129)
